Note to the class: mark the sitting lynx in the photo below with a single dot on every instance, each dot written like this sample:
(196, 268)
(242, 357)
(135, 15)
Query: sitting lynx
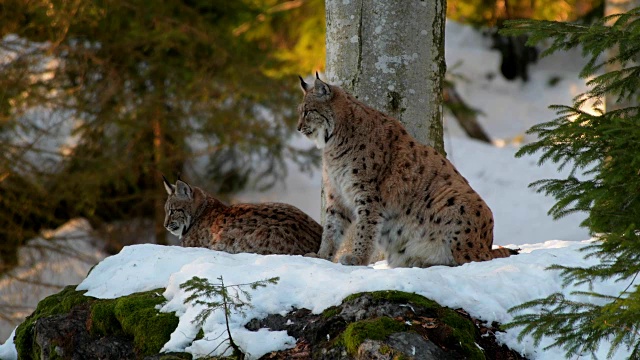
(384, 188)
(200, 220)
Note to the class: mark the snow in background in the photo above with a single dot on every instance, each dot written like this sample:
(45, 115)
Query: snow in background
(510, 108)
(486, 290)
(46, 267)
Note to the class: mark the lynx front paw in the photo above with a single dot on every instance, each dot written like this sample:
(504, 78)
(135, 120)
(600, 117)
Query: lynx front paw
(312, 255)
(349, 259)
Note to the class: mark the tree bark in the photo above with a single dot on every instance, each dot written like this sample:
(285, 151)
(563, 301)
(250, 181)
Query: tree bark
(158, 159)
(390, 55)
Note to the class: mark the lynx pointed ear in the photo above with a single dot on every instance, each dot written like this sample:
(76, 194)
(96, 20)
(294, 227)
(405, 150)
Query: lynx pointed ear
(321, 89)
(183, 189)
(317, 76)
(167, 185)
(305, 87)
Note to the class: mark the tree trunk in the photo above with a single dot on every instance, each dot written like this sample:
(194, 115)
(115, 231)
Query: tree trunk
(390, 55)
(158, 159)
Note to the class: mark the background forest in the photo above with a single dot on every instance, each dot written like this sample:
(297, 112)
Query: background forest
(98, 99)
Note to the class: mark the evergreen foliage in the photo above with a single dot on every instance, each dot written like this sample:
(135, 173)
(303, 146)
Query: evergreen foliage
(602, 149)
(492, 12)
(230, 298)
(98, 98)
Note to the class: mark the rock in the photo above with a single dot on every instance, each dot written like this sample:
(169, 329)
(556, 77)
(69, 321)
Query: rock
(66, 336)
(69, 325)
(377, 325)
(405, 343)
(385, 325)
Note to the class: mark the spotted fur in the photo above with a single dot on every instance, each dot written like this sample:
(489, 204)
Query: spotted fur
(200, 220)
(386, 190)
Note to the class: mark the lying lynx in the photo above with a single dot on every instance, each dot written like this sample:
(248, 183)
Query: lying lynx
(200, 220)
(384, 188)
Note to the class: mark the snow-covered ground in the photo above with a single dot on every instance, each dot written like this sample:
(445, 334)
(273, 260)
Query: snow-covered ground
(486, 290)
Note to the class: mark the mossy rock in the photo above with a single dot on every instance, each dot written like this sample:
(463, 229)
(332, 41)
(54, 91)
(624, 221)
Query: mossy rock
(55, 304)
(382, 323)
(133, 317)
(329, 312)
(372, 329)
(455, 331)
(395, 297)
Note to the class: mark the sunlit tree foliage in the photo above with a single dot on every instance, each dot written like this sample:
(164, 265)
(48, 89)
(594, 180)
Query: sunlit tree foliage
(98, 98)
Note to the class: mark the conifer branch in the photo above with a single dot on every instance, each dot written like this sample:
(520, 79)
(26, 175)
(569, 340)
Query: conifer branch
(602, 150)
(219, 297)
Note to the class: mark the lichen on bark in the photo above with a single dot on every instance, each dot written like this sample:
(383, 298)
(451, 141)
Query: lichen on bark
(390, 55)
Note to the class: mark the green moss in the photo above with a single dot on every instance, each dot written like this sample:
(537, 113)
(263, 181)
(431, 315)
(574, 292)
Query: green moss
(103, 319)
(55, 304)
(136, 315)
(398, 297)
(385, 350)
(462, 333)
(331, 312)
(462, 330)
(375, 329)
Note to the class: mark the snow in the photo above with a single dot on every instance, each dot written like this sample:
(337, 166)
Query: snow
(486, 290)
(8, 349)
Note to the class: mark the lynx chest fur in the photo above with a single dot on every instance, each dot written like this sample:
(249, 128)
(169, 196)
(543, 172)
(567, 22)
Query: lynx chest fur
(200, 220)
(385, 191)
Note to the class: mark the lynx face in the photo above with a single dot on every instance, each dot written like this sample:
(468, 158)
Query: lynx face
(316, 118)
(178, 208)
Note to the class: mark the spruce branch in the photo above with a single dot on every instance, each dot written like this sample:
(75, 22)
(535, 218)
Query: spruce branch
(228, 298)
(602, 150)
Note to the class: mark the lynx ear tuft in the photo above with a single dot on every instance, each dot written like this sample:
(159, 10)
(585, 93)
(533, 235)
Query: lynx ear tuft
(183, 189)
(322, 90)
(167, 185)
(305, 87)
(317, 76)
